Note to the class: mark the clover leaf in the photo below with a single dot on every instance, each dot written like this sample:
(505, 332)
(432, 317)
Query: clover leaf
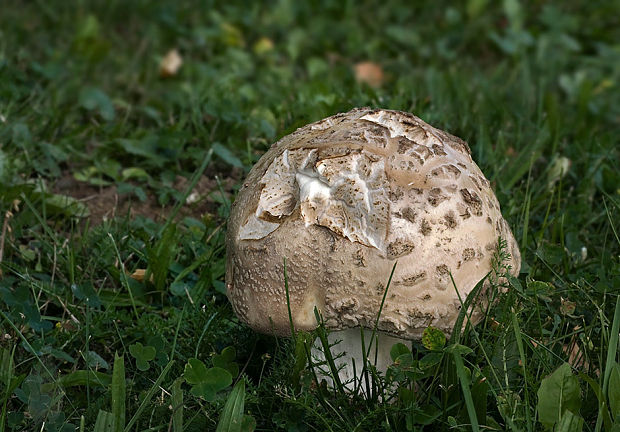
(225, 360)
(433, 339)
(142, 354)
(206, 382)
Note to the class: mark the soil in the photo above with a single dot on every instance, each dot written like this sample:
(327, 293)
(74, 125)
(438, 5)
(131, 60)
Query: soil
(104, 202)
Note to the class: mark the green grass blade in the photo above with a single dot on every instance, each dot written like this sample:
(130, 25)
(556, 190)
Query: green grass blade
(118, 393)
(612, 350)
(161, 256)
(288, 301)
(526, 220)
(322, 335)
(7, 371)
(80, 378)
(148, 397)
(177, 405)
(469, 401)
(473, 294)
(611, 222)
(7, 366)
(104, 422)
(570, 423)
(232, 414)
(123, 276)
(385, 293)
(364, 373)
(519, 339)
(521, 165)
(373, 335)
(596, 388)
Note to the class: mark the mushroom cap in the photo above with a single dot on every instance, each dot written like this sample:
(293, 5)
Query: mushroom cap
(342, 200)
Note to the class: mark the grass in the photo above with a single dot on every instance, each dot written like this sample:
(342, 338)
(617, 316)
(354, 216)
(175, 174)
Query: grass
(116, 319)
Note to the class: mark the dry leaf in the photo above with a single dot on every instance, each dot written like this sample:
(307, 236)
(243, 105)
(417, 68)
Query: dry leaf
(567, 307)
(369, 73)
(170, 64)
(574, 350)
(576, 354)
(138, 275)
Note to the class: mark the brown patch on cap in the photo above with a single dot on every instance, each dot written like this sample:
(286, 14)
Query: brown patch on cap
(404, 144)
(450, 219)
(413, 279)
(473, 201)
(396, 194)
(438, 150)
(359, 258)
(377, 135)
(442, 270)
(458, 144)
(425, 227)
(399, 248)
(436, 197)
(468, 253)
(333, 152)
(409, 214)
(454, 170)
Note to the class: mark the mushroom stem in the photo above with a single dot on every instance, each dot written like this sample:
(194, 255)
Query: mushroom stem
(345, 347)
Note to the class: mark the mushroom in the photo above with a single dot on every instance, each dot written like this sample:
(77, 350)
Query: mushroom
(342, 200)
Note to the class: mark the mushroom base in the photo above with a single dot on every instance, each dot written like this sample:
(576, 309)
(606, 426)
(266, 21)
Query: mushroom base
(346, 350)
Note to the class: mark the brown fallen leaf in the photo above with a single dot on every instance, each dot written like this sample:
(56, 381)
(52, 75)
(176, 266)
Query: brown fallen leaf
(577, 356)
(369, 73)
(574, 350)
(567, 307)
(139, 274)
(170, 64)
